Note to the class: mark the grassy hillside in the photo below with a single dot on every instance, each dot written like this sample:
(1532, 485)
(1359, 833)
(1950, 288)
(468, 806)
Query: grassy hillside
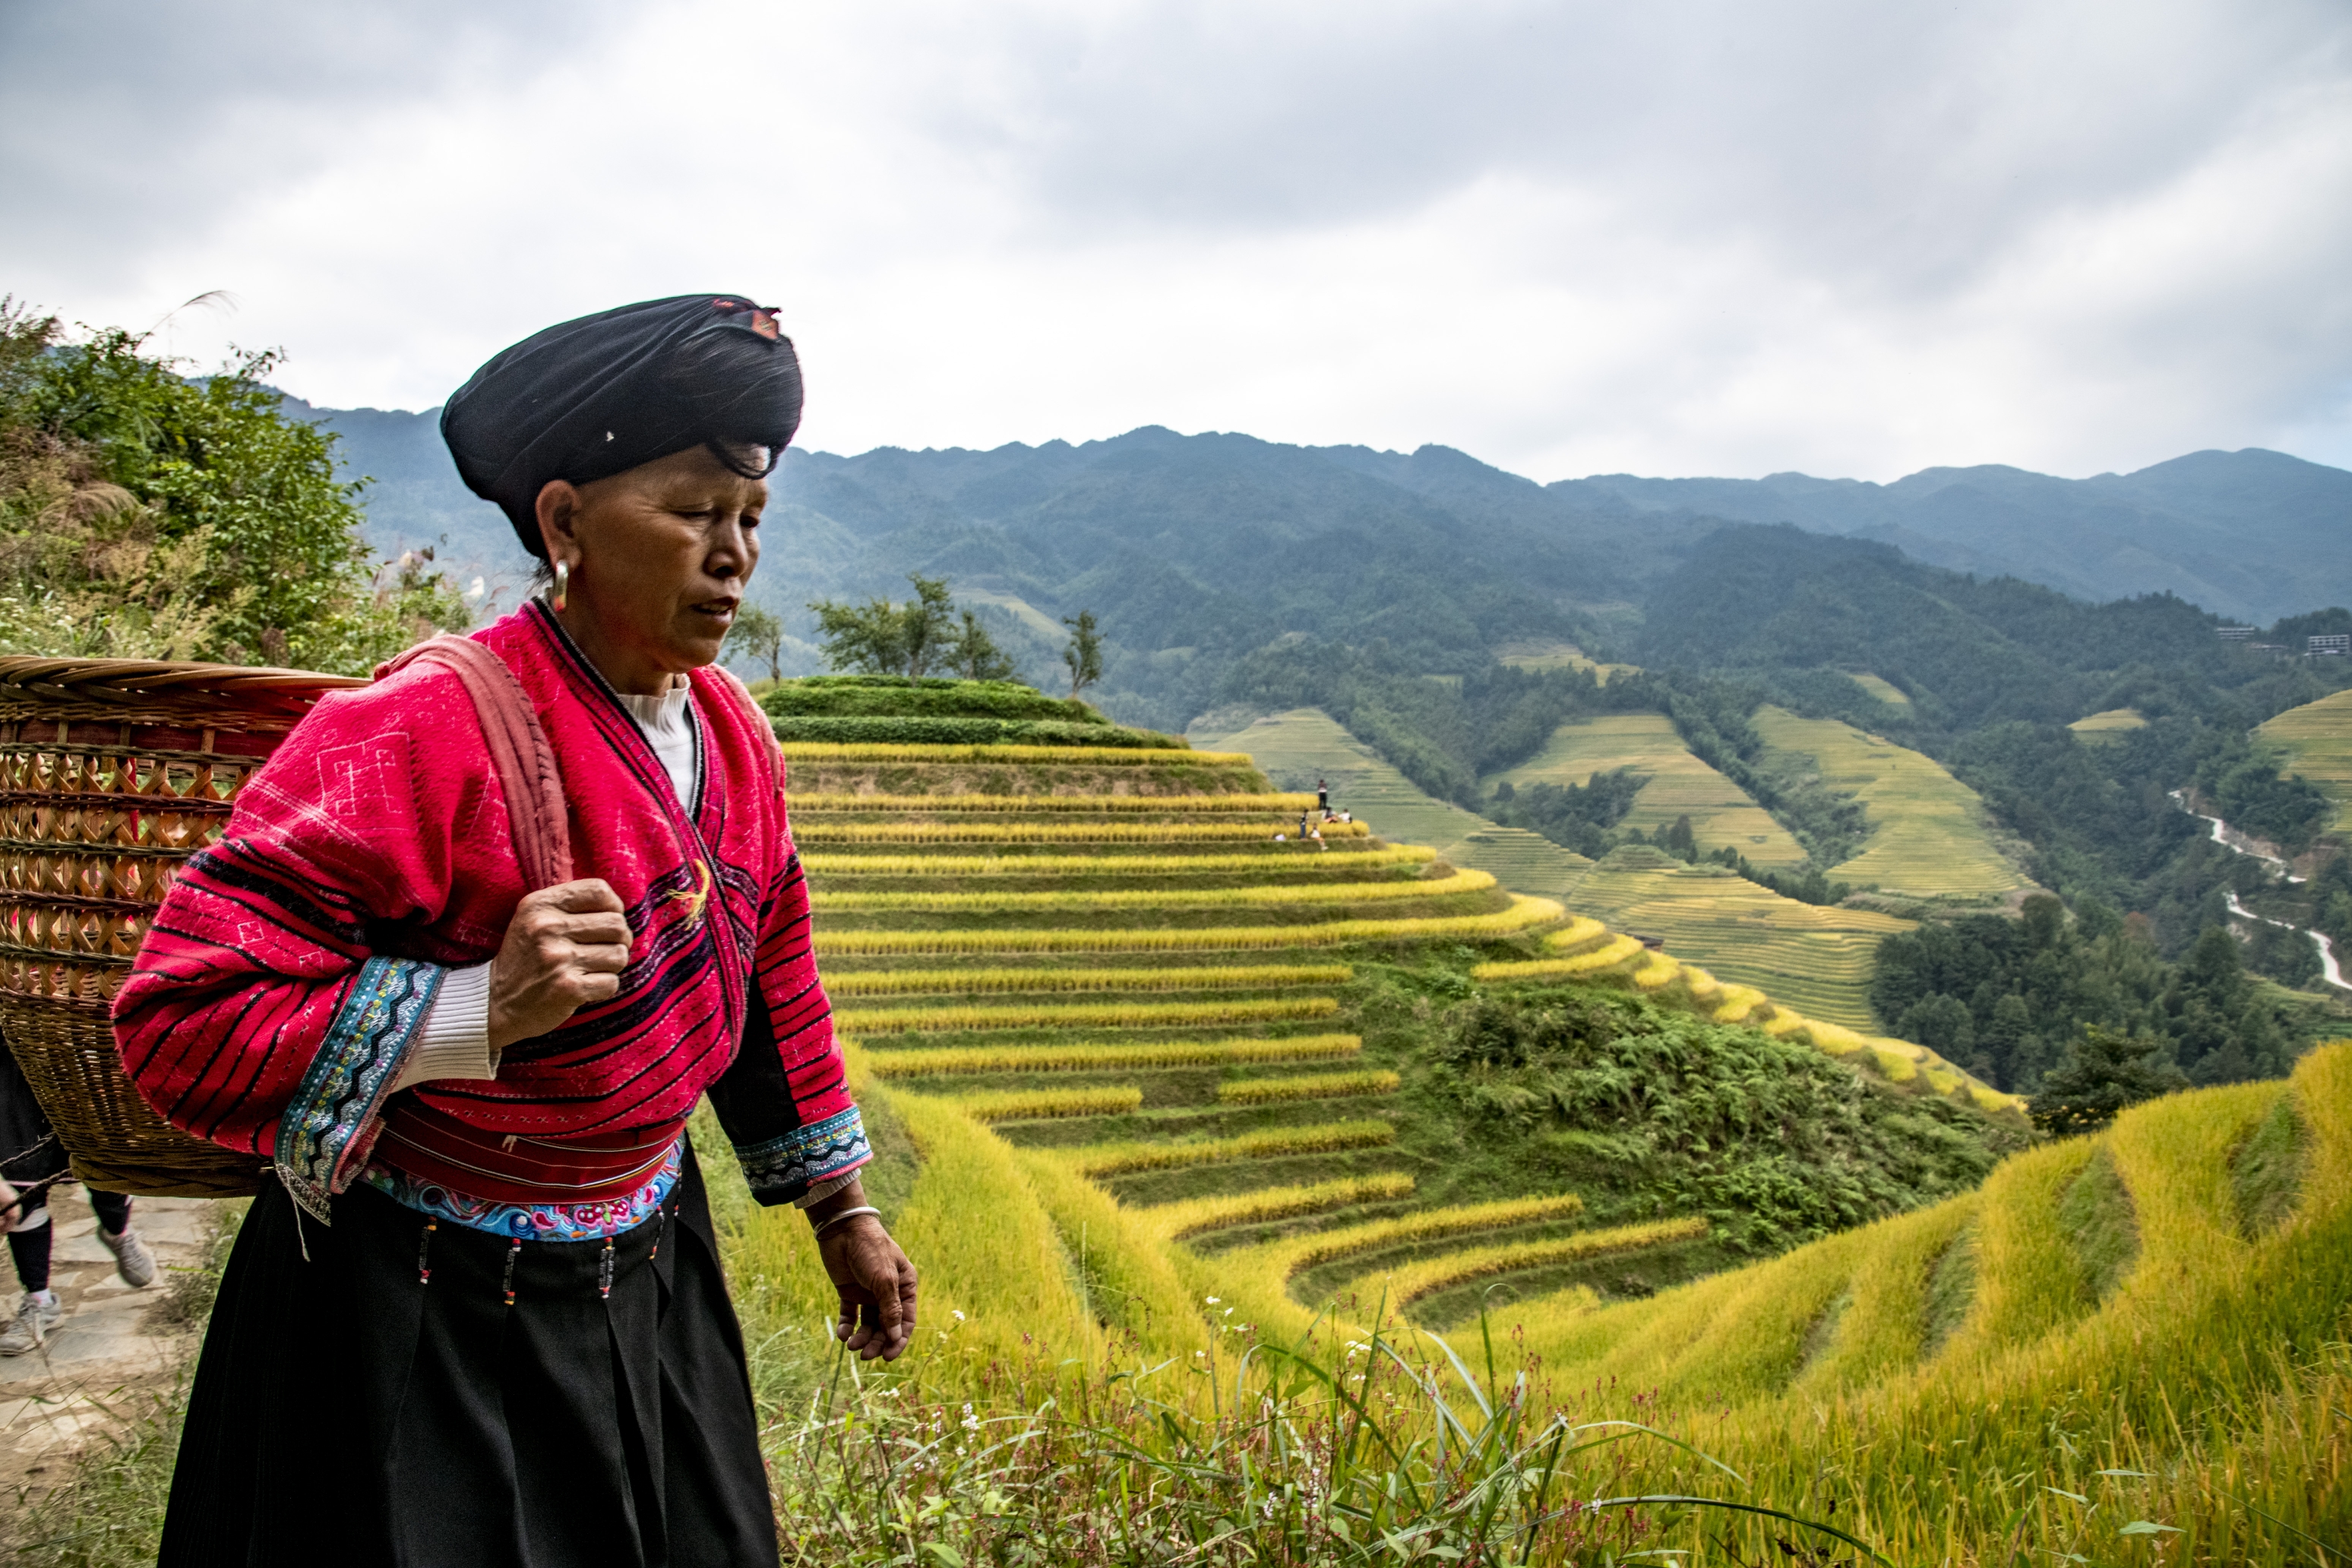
(1721, 813)
(1298, 747)
(2143, 1326)
(1930, 835)
(2316, 741)
(1814, 958)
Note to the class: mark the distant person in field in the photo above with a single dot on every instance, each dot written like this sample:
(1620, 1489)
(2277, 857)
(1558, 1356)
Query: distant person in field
(1322, 796)
(477, 1315)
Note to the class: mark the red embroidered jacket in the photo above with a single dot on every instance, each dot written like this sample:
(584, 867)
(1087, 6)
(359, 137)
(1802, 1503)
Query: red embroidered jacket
(289, 968)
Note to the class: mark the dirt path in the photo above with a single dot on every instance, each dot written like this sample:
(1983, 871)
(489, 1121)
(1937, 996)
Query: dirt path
(114, 1339)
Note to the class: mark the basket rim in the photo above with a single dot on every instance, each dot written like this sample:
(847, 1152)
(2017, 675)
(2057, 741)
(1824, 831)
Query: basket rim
(161, 676)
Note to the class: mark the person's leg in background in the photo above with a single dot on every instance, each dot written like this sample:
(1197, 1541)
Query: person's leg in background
(28, 1247)
(131, 1259)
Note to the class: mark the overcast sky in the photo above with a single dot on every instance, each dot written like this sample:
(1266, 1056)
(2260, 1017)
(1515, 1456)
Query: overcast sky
(1682, 237)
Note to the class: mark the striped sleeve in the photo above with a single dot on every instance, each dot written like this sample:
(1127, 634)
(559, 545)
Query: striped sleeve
(257, 1015)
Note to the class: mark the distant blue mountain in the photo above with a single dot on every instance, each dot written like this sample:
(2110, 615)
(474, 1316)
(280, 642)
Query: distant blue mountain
(1197, 548)
(2253, 534)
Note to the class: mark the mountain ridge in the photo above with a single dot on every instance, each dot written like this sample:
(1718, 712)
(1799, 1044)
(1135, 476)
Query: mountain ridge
(1194, 550)
(2181, 526)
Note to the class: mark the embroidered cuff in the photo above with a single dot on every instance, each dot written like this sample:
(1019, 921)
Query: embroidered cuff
(333, 1119)
(782, 1169)
(454, 1041)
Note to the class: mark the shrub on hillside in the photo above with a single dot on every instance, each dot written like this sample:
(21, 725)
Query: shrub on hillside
(2105, 1073)
(925, 731)
(147, 515)
(895, 696)
(1775, 1143)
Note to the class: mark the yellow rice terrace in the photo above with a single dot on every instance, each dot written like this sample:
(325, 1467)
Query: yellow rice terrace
(1169, 1099)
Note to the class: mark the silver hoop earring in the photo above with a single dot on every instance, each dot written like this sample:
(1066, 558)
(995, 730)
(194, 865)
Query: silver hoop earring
(562, 585)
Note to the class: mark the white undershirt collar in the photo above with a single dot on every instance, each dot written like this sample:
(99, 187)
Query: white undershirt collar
(668, 722)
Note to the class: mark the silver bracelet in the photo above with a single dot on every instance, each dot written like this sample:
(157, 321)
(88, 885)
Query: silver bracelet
(831, 1220)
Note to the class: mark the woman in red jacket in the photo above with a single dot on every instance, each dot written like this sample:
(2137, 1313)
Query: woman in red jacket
(478, 1317)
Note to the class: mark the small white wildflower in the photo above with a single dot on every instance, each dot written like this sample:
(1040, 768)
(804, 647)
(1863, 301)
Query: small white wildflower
(1211, 1299)
(959, 1317)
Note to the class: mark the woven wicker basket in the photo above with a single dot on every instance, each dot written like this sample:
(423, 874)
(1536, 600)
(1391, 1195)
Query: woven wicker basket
(112, 773)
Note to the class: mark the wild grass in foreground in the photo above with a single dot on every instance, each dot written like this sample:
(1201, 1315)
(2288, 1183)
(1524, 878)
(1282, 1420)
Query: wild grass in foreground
(1331, 1452)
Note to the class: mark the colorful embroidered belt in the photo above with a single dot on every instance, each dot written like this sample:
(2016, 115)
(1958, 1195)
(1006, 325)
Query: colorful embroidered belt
(435, 1147)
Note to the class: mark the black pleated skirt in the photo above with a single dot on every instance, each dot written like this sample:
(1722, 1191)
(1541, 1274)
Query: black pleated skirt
(349, 1410)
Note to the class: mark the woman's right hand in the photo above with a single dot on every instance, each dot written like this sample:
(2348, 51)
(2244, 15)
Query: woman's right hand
(10, 1210)
(564, 949)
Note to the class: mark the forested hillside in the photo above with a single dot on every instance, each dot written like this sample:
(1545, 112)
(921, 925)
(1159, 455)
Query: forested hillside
(1197, 550)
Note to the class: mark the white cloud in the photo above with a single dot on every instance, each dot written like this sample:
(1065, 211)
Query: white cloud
(1690, 237)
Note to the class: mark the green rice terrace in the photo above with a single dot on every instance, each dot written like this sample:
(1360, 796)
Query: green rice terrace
(1678, 784)
(2315, 741)
(1930, 837)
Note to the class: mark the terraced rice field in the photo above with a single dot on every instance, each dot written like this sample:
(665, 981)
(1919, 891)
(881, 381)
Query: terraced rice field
(1158, 1027)
(1300, 746)
(1817, 960)
(1680, 784)
(2030, 1345)
(2316, 741)
(1929, 836)
(1095, 980)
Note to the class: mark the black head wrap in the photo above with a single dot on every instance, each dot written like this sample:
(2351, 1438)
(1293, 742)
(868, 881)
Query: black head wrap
(597, 396)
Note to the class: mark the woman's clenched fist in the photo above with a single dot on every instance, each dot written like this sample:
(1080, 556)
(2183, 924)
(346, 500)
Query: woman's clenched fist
(564, 949)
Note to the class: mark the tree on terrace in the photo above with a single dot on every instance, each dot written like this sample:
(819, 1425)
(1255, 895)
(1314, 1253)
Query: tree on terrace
(976, 656)
(1084, 656)
(759, 634)
(916, 639)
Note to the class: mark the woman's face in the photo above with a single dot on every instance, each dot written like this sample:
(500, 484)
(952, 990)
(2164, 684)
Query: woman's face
(659, 556)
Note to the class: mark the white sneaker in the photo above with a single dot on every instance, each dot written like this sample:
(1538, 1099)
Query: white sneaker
(37, 1314)
(131, 1259)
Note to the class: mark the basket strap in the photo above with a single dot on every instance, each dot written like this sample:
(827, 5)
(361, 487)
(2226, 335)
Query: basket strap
(524, 761)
